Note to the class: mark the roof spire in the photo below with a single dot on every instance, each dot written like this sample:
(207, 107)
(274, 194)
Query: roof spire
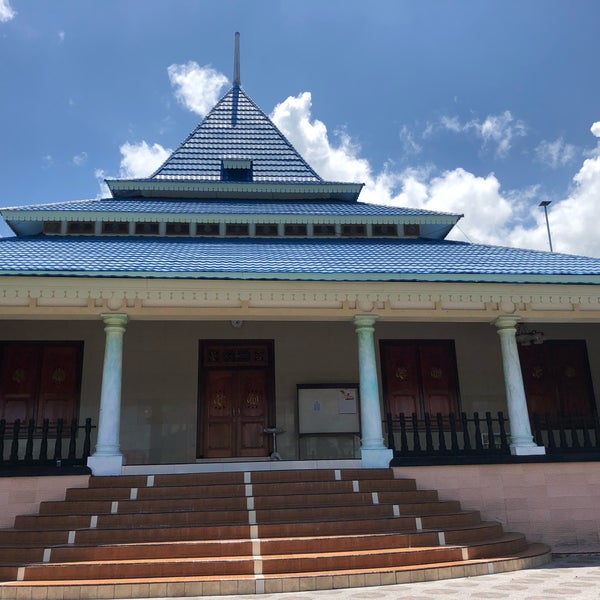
(236, 61)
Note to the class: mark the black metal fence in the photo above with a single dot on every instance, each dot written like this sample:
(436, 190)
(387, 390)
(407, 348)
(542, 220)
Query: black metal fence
(486, 436)
(56, 443)
(566, 434)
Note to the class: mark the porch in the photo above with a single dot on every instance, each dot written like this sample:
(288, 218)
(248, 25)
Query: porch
(162, 388)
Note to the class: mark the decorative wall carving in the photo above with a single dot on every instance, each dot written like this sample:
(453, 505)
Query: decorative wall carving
(32, 297)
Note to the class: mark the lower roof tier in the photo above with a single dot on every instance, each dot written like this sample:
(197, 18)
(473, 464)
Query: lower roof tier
(290, 259)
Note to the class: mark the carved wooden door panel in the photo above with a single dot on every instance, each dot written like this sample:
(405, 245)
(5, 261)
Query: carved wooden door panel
(235, 391)
(59, 382)
(557, 379)
(419, 376)
(219, 406)
(401, 379)
(541, 396)
(19, 380)
(438, 377)
(252, 410)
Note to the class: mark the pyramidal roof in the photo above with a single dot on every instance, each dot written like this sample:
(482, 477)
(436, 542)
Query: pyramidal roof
(236, 129)
(235, 152)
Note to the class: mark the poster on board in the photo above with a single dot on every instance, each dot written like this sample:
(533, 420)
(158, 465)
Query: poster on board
(328, 408)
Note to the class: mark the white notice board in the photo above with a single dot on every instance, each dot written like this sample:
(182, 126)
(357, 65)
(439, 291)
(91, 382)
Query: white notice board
(328, 408)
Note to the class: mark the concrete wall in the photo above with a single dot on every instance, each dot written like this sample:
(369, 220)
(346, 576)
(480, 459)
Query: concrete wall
(554, 503)
(160, 380)
(22, 495)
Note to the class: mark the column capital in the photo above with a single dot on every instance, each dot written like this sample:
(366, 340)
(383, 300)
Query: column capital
(507, 322)
(362, 321)
(114, 319)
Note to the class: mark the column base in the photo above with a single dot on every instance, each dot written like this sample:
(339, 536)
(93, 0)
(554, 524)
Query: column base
(527, 450)
(379, 458)
(105, 465)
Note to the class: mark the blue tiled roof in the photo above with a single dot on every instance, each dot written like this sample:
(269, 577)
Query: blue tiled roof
(228, 207)
(237, 128)
(290, 259)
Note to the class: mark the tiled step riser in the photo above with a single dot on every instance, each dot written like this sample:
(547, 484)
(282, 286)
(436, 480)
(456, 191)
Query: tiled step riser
(156, 493)
(276, 477)
(399, 486)
(241, 566)
(215, 549)
(12, 537)
(497, 548)
(21, 555)
(220, 549)
(196, 518)
(380, 560)
(51, 523)
(469, 535)
(126, 570)
(141, 506)
(161, 534)
(408, 505)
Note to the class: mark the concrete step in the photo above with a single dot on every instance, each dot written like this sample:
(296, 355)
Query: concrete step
(244, 526)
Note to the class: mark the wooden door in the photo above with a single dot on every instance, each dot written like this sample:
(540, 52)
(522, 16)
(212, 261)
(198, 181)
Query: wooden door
(40, 380)
(235, 395)
(19, 382)
(557, 380)
(419, 376)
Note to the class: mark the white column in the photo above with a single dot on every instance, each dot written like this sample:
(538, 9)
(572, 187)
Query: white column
(107, 459)
(520, 432)
(373, 452)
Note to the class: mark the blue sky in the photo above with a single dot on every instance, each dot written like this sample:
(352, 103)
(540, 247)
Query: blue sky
(479, 107)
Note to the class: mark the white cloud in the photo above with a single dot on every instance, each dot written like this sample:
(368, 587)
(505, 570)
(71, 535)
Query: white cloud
(497, 131)
(138, 161)
(61, 36)
(574, 220)
(80, 159)
(409, 144)
(6, 11)
(555, 154)
(101, 175)
(491, 215)
(196, 87)
(141, 160)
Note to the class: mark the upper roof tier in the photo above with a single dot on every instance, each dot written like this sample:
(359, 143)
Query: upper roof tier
(236, 151)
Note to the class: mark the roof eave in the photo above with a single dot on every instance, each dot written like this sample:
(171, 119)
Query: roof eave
(372, 277)
(168, 188)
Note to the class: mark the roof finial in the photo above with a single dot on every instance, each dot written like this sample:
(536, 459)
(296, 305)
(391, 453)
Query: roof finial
(236, 61)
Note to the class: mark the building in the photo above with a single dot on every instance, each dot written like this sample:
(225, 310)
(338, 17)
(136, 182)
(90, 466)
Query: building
(234, 291)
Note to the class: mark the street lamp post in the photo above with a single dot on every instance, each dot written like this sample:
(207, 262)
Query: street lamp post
(545, 204)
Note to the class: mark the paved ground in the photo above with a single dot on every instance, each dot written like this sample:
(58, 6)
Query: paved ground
(576, 577)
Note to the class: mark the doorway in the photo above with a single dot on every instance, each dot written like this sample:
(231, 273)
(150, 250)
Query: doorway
(419, 376)
(235, 399)
(557, 379)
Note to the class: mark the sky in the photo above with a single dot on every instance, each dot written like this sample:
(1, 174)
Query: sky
(478, 107)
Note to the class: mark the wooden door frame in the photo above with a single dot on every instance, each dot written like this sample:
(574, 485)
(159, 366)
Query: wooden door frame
(201, 398)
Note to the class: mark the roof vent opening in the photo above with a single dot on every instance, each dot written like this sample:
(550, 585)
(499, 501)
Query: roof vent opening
(236, 169)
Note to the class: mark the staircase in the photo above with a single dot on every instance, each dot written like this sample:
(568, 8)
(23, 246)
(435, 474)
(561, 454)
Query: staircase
(248, 532)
